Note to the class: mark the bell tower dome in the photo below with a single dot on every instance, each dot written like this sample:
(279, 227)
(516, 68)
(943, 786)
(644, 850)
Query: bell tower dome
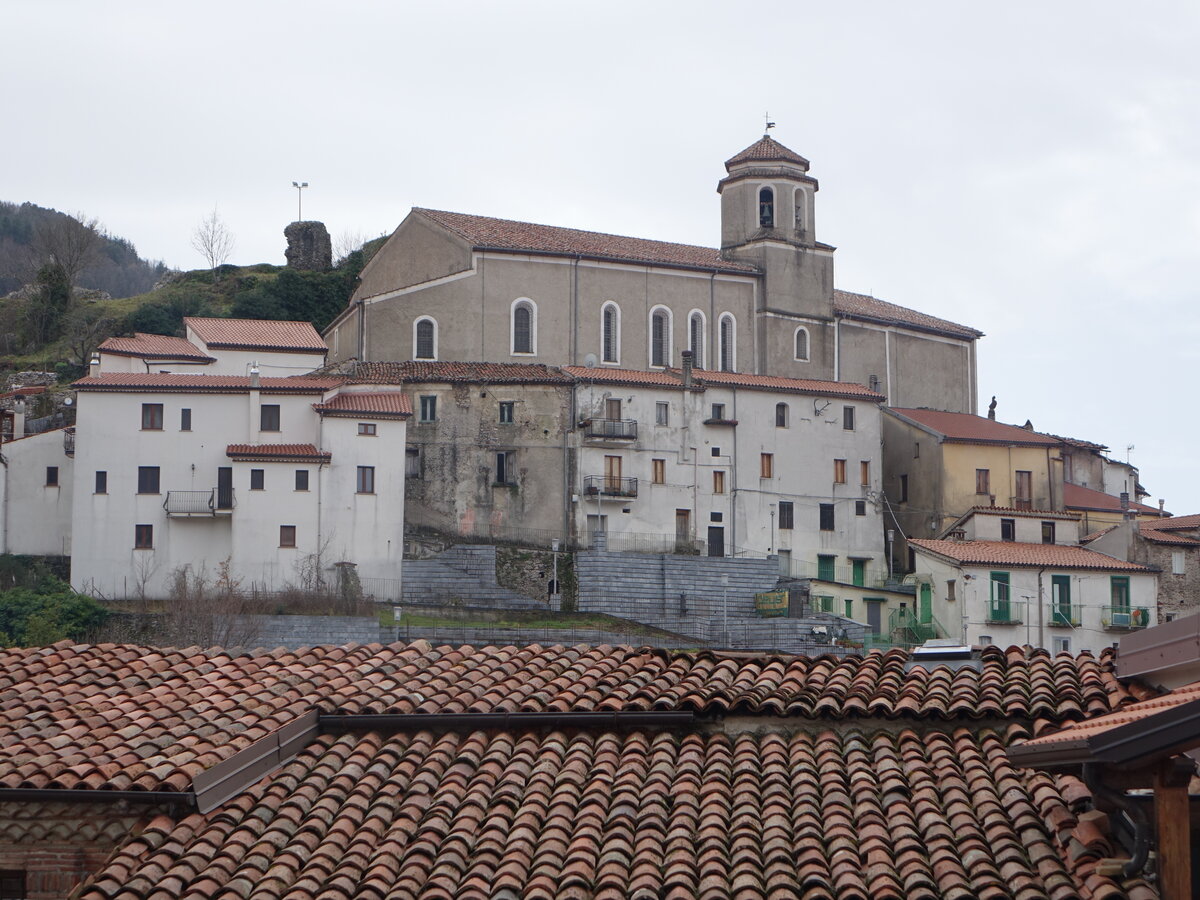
(767, 195)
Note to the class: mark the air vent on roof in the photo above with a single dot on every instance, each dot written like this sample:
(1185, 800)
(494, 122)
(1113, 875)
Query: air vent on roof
(944, 652)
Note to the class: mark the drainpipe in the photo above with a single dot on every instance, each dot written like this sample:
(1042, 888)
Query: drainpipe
(4, 507)
(252, 434)
(733, 489)
(1041, 610)
(574, 346)
(837, 347)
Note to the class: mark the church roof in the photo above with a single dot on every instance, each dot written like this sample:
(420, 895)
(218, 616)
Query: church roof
(872, 309)
(766, 150)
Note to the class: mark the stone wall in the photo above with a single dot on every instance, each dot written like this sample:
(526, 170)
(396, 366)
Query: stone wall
(309, 247)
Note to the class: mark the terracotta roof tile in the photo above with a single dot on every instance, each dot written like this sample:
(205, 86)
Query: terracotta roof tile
(155, 346)
(234, 384)
(971, 429)
(1173, 523)
(390, 405)
(257, 334)
(766, 149)
(1009, 553)
(872, 309)
(1078, 497)
(796, 385)
(277, 452)
(1161, 536)
(668, 378)
(452, 372)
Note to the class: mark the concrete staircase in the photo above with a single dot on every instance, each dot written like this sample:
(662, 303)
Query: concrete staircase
(464, 574)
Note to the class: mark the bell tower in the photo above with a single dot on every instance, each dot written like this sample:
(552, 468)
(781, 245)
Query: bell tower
(768, 219)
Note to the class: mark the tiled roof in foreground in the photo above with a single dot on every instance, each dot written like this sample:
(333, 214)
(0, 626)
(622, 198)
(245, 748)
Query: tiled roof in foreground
(390, 405)
(257, 334)
(499, 814)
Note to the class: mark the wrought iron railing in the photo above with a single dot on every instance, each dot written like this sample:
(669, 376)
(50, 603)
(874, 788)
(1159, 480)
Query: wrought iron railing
(1124, 618)
(199, 503)
(610, 486)
(1006, 612)
(611, 429)
(1064, 615)
(69, 441)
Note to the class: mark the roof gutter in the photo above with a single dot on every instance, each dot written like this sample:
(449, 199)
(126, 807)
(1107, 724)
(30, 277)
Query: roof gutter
(339, 724)
(78, 795)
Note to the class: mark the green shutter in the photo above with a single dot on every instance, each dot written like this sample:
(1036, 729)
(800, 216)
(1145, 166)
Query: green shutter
(825, 566)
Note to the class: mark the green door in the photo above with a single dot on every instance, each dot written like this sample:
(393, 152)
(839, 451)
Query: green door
(1060, 600)
(859, 576)
(1001, 608)
(825, 567)
(926, 612)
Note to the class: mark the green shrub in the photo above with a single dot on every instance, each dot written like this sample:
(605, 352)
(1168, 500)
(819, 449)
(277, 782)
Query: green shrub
(49, 612)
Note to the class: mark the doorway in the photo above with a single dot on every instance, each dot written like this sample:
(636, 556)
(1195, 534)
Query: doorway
(716, 540)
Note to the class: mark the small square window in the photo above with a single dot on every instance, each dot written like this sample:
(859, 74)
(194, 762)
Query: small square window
(860, 507)
(1047, 532)
(101, 482)
(257, 479)
(367, 429)
(428, 409)
(152, 417)
(365, 483)
(985, 640)
(185, 420)
(826, 517)
(1008, 529)
(658, 471)
(1061, 644)
(506, 412)
(51, 476)
(268, 415)
(839, 471)
(143, 537)
(148, 482)
(662, 413)
(848, 418)
(767, 465)
(287, 535)
(786, 515)
(302, 479)
(718, 411)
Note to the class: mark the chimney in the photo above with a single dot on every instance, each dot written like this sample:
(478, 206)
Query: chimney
(94, 366)
(18, 418)
(1161, 507)
(1124, 499)
(686, 355)
(255, 411)
(254, 383)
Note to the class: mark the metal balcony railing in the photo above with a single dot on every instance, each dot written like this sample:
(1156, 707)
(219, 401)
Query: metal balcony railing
(610, 486)
(611, 429)
(1060, 615)
(212, 502)
(69, 441)
(1006, 612)
(1124, 618)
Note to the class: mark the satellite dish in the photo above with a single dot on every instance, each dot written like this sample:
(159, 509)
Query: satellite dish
(590, 360)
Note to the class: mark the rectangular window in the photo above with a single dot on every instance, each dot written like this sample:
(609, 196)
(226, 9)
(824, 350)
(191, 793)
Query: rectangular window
(825, 567)
(849, 608)
(506, 470)
(506, 412)
(412, 463)
(1008, 529)
(428, 409)
(952, 590)
(257, 479)
(767, 465)
(718, 411)
(287, 535)
(152, 416)
(143, 537)
(1060, 600)
(365, 483)
(1024, 498)
(860, 507)
(983, 481)
(302, 479)
(848, 418)
(51, 476)
(101, 482)
(826, 517)
(367, 429)
(781, 415)
(268, 417)
(1120, 591)
(662, 413)
(1061, 644)
(916, 449)
(185, 420)
(1047, 532)
(903, 488)
(839, 471)
(786, 515)
(864, 472)
(718, 482)
(147, 480)
(658, 471)
(1178, 563)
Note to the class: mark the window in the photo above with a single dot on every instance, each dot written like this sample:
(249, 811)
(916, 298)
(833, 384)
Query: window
(257, 479)
(849, 608)
(302, 479)
(728, 337)
(287, 535)
(1178, 563)
(662, 413)
(696, 338)
(1008, 529)
(983, 481)
(365, 483)
(658, 471)
(412, 463)
(1000, 593)
(147, 480)
(366, 429)
(185, 420)
(800, 201)
(268, 416)
(1060, 601)
(716, 451)
(858, 572)
(506, 411)
(1061, 644)
(101, 482)
(718, 412)
(801, 344)
(826, 517)
(524, 327)
(51, 476)
(767, 465)
(781, 415)
(1024, 498)
(984, 640)
(428, 409)
(718, 482)
(839, 471)
(903, 488)
(860, 507)
(1047, 532)
(786, 515)
(610, 329)
(143, 537)
(425, 338)
(612, 409)
(916, 449)
(506, 471)
(152, 417)
(951, 590)
(660, 337)
(826, 568)
(847, 418)
(864, 472)
(766, 208)
(1120, 591)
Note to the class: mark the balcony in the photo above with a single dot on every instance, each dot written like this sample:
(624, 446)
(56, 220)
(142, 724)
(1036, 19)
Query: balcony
(1005, 612)
(188, 504)
(609, 486)
(1064, 616)
(1124, 618)
(69, 441)
(611, 429)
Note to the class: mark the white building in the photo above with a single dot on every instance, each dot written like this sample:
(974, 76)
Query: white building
(280, 478)
(1008, 576)
(36, 479)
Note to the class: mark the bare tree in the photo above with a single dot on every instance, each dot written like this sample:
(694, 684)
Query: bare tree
(347, 242)
(85, 328)
(72, 242)
(213, 240)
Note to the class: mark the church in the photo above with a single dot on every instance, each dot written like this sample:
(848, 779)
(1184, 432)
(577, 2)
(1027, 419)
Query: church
(457, 286)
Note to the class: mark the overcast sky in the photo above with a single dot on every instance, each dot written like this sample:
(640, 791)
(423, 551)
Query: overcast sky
(1033, 171)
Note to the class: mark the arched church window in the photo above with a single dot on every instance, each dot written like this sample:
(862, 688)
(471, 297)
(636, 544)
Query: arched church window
(696, 338)
(766, 208)
(802, 344)
(524, 326)
(660, 337)
(728, 335)
(425, 338)
(799, 210)
(610, 328)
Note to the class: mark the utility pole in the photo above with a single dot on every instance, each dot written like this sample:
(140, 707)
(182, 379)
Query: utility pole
(299, 186)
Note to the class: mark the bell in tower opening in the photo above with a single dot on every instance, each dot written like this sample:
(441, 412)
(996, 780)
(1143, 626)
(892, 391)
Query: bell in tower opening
(766, 208)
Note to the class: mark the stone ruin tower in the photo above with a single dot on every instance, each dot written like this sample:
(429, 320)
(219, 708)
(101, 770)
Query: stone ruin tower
(309, 246)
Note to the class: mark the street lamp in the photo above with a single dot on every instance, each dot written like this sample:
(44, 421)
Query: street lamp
(299, 186)
(771, 548)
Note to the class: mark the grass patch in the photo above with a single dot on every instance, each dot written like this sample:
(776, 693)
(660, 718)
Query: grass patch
(514, 619)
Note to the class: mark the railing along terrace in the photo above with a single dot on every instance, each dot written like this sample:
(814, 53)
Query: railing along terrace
(611, 429)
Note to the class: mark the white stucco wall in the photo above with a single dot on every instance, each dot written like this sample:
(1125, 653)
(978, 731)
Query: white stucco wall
(35, 518)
